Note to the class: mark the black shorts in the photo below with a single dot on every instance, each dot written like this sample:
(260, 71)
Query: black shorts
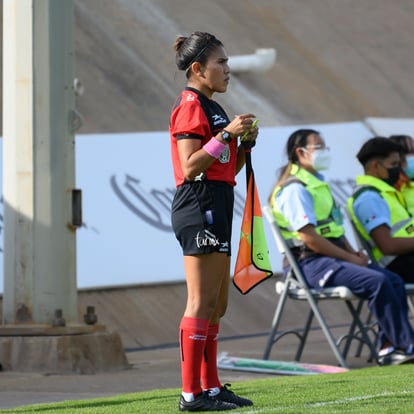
(202, 216)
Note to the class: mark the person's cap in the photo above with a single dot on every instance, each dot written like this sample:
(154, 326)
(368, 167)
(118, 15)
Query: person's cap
(377, 147)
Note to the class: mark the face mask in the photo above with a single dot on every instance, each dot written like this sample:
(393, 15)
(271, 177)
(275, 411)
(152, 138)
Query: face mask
(409, 170)
(321, 159)
(393, 175)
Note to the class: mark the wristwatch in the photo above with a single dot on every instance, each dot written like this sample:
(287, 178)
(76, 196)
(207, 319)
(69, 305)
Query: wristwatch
(226, 136)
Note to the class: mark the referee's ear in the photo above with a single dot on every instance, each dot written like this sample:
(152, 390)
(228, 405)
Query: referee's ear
(197, 69)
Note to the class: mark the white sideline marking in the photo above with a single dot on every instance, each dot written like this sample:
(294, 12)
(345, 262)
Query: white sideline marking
(361, 398)
(326, 403)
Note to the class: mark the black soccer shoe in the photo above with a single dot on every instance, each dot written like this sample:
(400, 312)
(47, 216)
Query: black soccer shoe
(229, 396)
(203, 402)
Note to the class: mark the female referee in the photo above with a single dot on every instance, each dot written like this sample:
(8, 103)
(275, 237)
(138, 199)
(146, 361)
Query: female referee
(206, 157)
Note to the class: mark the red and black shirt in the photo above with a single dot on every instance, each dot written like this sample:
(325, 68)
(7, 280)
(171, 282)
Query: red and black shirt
(195, 116)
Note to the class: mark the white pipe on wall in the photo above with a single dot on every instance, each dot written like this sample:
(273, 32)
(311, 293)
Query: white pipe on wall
(260, 61)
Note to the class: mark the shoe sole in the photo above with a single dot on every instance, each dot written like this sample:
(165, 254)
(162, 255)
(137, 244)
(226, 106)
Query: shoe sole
(402, 362)
(406, 362)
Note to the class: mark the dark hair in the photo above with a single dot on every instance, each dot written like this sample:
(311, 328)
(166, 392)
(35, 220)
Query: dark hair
(194, 48)
(377, 147)
(297, 139)
(402, 141)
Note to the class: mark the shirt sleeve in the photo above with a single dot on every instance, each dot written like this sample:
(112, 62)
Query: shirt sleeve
(189, 120)
(372, 210)
(296, 204)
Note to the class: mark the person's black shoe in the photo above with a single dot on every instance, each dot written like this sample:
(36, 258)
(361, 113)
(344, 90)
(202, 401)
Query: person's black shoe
(203, 402)
(229, 396)
(396, 357)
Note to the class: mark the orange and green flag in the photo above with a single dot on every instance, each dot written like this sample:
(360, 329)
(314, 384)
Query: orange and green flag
(252, 262)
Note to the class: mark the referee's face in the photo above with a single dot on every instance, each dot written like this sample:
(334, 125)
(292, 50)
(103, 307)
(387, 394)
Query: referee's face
(216, 73)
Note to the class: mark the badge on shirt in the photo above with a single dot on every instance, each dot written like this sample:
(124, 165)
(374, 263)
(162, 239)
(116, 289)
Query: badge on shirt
(225, 155)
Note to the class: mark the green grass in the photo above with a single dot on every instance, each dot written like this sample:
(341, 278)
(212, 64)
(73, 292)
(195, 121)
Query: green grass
(369, 390)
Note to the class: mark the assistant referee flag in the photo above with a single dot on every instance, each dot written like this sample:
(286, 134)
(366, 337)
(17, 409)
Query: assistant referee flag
(252, 262)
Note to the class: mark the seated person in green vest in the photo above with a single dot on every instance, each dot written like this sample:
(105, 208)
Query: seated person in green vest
(311, 223)
(379, 210)
(405, 183)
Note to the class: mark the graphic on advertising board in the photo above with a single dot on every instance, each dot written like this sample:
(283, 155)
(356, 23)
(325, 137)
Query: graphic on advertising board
(127, 188)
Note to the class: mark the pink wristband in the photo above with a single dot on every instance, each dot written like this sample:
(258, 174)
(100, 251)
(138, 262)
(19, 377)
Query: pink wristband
(214, 147)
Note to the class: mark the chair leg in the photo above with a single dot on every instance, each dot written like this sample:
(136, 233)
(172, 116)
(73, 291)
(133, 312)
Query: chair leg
(369, 325)
(304, 336)
(327, 331)
(351, 332)
(275, 323)
(274, 336)
(410, 304)
(362, 329)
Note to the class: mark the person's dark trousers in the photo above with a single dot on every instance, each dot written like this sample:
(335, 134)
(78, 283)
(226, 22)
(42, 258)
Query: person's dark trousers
(403, 265)
(384, 290)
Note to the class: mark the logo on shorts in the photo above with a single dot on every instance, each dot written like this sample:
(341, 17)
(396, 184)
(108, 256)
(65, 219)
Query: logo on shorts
(224, 247)
(206, 239)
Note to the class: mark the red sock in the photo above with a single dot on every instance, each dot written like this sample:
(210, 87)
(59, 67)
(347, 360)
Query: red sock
(209, 371)
(193, 334)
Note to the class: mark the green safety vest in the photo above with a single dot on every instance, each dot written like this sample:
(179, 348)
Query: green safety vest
(402, 224)
(407, 190)
(328, 216)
